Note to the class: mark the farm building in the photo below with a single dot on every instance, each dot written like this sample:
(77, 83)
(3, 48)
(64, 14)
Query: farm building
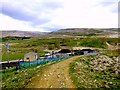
(65, 52)
(31, 56)
(88, 52)
(85, 52)
(77, 52)
(48, 55)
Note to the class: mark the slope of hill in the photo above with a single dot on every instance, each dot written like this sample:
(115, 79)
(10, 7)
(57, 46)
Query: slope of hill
(86, 31)
(22, 33)
(60, 33)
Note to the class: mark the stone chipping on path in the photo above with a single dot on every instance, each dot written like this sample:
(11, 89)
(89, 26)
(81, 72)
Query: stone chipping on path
(54, 76)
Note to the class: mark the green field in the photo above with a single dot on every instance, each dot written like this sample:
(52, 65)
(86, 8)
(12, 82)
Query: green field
(83, 75)
(18, 46)
(12, 56)
(15, 56)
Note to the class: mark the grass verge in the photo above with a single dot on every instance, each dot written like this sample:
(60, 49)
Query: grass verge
(20, 78)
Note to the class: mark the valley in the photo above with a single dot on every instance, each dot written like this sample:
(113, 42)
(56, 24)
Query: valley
(70, 72)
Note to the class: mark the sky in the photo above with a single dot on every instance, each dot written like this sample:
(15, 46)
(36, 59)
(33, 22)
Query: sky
(51, 15)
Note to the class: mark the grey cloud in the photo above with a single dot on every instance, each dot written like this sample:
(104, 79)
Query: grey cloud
(30, 11)
(112, 4)
(40, 22)
(52, 5)
(107, 3)
(116, 9)
(53, 28)
(17, 13)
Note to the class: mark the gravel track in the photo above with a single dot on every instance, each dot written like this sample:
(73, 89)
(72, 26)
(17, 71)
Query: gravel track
(54, 76)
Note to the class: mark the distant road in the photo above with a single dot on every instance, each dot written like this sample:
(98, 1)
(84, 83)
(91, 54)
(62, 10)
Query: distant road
(81, 47)
(11, 61)
(111, 47)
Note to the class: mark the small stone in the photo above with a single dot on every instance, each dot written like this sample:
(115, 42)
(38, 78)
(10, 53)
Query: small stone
(50, 86)
(50, 73)
(58, 76)
(38, 75)
(110, 82)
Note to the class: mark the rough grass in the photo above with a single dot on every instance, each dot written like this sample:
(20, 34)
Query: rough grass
(93, 42)
(6, 57)
(19, 78)
(112, 53)
(37, 44)
(86, 77)
(15, 56)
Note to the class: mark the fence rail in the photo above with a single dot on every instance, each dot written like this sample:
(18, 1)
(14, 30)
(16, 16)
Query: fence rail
(21, 64)
(41, 61)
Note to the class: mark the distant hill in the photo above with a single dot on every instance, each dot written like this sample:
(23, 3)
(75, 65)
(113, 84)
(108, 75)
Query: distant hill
(86, 31)
(59, 33)
(6, 33)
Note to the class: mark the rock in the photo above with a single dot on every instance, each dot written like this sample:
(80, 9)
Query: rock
(58, 76)
(50, 73)
(38, 67)
(44, 75)
(45, 78)
(50, 86)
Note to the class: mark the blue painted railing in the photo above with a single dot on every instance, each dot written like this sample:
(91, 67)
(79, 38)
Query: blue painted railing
(40, 62)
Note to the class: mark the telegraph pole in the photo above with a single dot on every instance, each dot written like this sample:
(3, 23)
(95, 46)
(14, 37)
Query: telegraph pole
(7, 50)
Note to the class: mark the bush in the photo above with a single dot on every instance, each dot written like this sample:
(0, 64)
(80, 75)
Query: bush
(90, 42)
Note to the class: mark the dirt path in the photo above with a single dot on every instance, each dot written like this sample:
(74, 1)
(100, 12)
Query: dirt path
(54, 76)
(111, 47)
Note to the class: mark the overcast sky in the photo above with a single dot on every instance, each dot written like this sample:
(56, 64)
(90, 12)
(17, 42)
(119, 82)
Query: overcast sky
(50, 15)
